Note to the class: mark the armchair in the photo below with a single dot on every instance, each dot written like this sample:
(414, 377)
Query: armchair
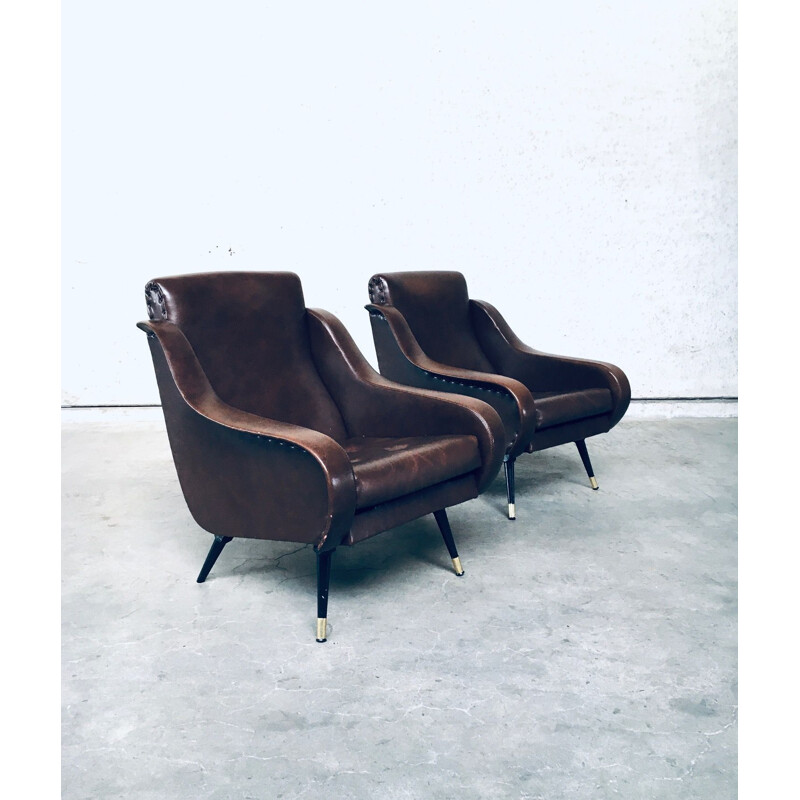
(428, 333)
(281, 430)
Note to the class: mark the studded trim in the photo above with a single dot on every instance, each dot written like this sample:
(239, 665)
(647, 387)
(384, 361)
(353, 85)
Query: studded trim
(453, 381)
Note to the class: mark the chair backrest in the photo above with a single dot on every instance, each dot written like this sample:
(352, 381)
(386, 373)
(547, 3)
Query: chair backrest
(436, 307)
(249, 333)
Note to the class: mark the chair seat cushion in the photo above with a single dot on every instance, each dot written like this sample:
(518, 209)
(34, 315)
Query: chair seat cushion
(386, 468)
(556, 408)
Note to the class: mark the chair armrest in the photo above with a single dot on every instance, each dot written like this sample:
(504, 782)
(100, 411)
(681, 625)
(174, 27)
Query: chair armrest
(243, 474)
(545, 371)
(372, 405)
(401, 359)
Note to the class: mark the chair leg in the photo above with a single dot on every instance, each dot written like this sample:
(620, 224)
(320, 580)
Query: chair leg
(323, 582)
(581, 445)
(213, 554)
(447, 535)
(508, 463)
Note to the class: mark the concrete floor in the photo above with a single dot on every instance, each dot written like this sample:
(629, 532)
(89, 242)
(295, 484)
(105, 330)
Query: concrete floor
(590, 651)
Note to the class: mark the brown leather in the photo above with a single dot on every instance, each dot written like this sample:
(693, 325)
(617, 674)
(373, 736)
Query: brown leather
(556, 399)
(556, 408)
(392, 513)
(436, 308)
(374, 406)
(568, 432)
(242, 474)
(390, 467)
(546, 372)
(401, 359)
(257, 437)
(243, 325)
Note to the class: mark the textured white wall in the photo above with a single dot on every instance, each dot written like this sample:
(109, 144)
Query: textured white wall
(577, 161)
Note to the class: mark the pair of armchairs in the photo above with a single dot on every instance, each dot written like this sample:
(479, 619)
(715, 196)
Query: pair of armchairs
(281, 430)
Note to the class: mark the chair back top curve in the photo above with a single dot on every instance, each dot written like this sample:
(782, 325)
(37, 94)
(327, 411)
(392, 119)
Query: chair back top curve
(249, 333)
(436, 307)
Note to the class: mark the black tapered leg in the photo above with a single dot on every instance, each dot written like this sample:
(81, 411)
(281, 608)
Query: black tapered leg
(323, 583)
(213, 555)
(508, 463)
(581, 445)
(447, 535)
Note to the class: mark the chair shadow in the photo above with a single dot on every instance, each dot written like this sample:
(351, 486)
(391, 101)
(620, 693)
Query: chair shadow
(393, 554)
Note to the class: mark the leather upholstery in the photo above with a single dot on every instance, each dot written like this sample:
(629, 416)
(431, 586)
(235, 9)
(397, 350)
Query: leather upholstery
(542, 399)
(242, 325)
(556, 408)
(374, 406)
(386, 467)
(436, 308)
(242, 474)
(395, 512)
(545, 371)
(401, 359)
(281, 430)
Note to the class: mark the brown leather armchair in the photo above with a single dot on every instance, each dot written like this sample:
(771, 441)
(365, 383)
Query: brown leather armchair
(281, 430)
(429, 334)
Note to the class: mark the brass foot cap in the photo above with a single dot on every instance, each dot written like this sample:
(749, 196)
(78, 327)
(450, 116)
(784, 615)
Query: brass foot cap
(457, 566)
(512, 511)
(322, 629)
(593, 483)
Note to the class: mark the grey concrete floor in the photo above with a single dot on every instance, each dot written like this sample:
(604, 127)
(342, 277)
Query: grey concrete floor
(590, 651)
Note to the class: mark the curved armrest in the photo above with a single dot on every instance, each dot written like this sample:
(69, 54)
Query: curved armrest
(243, 474)
(544, 371)
(402, 359)
(371, 405)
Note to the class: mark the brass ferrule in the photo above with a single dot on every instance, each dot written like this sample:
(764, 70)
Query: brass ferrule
(512, 511)
(593, 483)
(457, 566)
(322, 629)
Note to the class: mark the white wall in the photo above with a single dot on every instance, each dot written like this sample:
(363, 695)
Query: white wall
(577, 161)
